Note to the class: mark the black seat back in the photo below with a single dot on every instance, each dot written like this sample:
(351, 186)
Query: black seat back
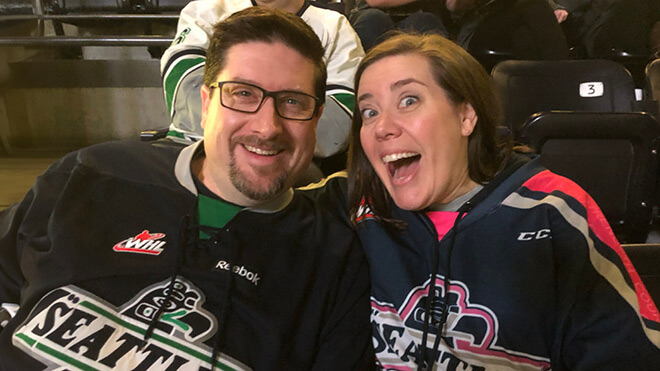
(613, 156)
(528, 87)
(646, 260)
(653, 79)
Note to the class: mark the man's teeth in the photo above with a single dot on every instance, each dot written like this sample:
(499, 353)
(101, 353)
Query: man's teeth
(260, 151)
(398, 156)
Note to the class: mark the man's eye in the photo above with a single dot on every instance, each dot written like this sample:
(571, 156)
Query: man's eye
(368, 113)
(292, 102)
(242, 93)
(408, 101)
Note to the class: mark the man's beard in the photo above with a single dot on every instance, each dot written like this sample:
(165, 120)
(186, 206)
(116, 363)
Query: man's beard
(243, 185)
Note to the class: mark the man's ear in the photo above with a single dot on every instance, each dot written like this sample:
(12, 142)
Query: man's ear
(205, 92)
(469, 119)
(319, 113)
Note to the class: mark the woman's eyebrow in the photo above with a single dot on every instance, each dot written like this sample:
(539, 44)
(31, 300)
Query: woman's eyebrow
(404, 82)
(364, 96)
(395, 85)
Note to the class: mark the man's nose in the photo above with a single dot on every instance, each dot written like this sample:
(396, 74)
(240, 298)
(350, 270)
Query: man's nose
(268, 122)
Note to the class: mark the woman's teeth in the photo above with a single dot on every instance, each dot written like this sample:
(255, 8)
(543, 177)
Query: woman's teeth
(398, 156)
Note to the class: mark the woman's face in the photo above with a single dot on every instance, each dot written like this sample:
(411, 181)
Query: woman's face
(414, 136)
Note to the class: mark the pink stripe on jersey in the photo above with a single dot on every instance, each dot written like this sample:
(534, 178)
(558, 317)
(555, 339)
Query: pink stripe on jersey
(548, 182)
(443, 221)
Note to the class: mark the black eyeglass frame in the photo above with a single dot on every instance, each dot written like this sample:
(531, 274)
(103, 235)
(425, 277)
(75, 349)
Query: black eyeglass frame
(266, 93)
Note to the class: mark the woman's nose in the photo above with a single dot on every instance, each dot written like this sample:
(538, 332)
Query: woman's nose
(387, 127)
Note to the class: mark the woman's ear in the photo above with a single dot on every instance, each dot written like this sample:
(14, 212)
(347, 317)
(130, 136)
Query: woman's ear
(468, 119)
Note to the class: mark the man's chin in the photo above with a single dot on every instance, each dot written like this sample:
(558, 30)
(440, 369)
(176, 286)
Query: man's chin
(259, 188)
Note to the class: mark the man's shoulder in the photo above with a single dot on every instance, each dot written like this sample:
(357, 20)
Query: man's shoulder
(335, 185)
(132, 160)
(131, 149)
(329, 195)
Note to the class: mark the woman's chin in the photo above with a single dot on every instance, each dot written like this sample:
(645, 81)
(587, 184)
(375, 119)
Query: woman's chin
(406, 202)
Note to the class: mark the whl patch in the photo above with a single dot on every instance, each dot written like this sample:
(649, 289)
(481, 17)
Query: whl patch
(143, 243)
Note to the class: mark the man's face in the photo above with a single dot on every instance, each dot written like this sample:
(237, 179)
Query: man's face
(254, 157)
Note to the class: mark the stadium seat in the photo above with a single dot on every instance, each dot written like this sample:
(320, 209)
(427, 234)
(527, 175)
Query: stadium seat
(528, 87)
(16, 7)
(646, 260)
(653, 80)
(613, 156)
(652, 87)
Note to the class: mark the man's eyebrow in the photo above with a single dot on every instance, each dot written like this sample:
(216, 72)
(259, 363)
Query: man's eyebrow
(252, 82)
(247, 81)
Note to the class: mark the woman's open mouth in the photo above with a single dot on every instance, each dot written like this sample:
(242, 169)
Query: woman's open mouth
(401, 166)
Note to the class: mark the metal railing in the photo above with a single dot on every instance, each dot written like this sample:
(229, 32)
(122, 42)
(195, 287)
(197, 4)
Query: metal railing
(61, 40)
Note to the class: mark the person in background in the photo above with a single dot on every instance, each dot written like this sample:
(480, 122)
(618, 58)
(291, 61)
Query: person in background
(182, 68)
(594, 28)
(132, 256)
(374, 19)
(560, 11)
(480, 258)
(520, 29)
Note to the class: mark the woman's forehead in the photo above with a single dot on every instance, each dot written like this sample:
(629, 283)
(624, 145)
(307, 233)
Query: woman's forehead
(394, 71)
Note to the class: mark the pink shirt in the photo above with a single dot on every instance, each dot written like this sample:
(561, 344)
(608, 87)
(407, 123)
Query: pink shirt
(442, 220)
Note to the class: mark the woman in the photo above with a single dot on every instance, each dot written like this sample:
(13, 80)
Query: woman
(487, 258)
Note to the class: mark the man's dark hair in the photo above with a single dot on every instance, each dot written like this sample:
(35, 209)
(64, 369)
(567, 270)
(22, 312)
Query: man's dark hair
(269, 25)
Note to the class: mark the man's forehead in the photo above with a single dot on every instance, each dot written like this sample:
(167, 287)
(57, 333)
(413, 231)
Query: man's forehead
(272, 63)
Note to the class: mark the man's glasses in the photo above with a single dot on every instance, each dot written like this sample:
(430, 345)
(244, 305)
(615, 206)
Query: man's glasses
(248, 98)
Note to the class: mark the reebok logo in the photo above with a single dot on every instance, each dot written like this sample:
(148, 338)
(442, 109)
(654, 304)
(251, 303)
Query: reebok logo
(143, 243)
(239, 270)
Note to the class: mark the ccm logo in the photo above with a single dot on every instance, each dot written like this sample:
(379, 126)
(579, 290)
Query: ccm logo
(538, 235)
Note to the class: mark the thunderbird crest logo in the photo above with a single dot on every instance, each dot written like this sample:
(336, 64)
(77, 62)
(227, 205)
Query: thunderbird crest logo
(143, 243)
(73, 329)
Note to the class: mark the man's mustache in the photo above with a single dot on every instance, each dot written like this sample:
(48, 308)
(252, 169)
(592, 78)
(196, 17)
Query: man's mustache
(255, 141)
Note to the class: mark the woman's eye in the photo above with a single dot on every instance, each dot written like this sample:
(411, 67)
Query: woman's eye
(408, 101)
(368, 113)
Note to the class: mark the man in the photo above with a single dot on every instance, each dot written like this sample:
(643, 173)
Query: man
(131, 256)
(181, 67)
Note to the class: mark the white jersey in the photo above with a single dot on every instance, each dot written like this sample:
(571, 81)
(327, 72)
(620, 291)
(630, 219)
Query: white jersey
(182, 68)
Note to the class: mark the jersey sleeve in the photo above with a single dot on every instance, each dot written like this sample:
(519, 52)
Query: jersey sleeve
(606, 318)
(11, 278)
(343, 58)
(343, 55)
(182, 64)
(25, 222)
(613, 323)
